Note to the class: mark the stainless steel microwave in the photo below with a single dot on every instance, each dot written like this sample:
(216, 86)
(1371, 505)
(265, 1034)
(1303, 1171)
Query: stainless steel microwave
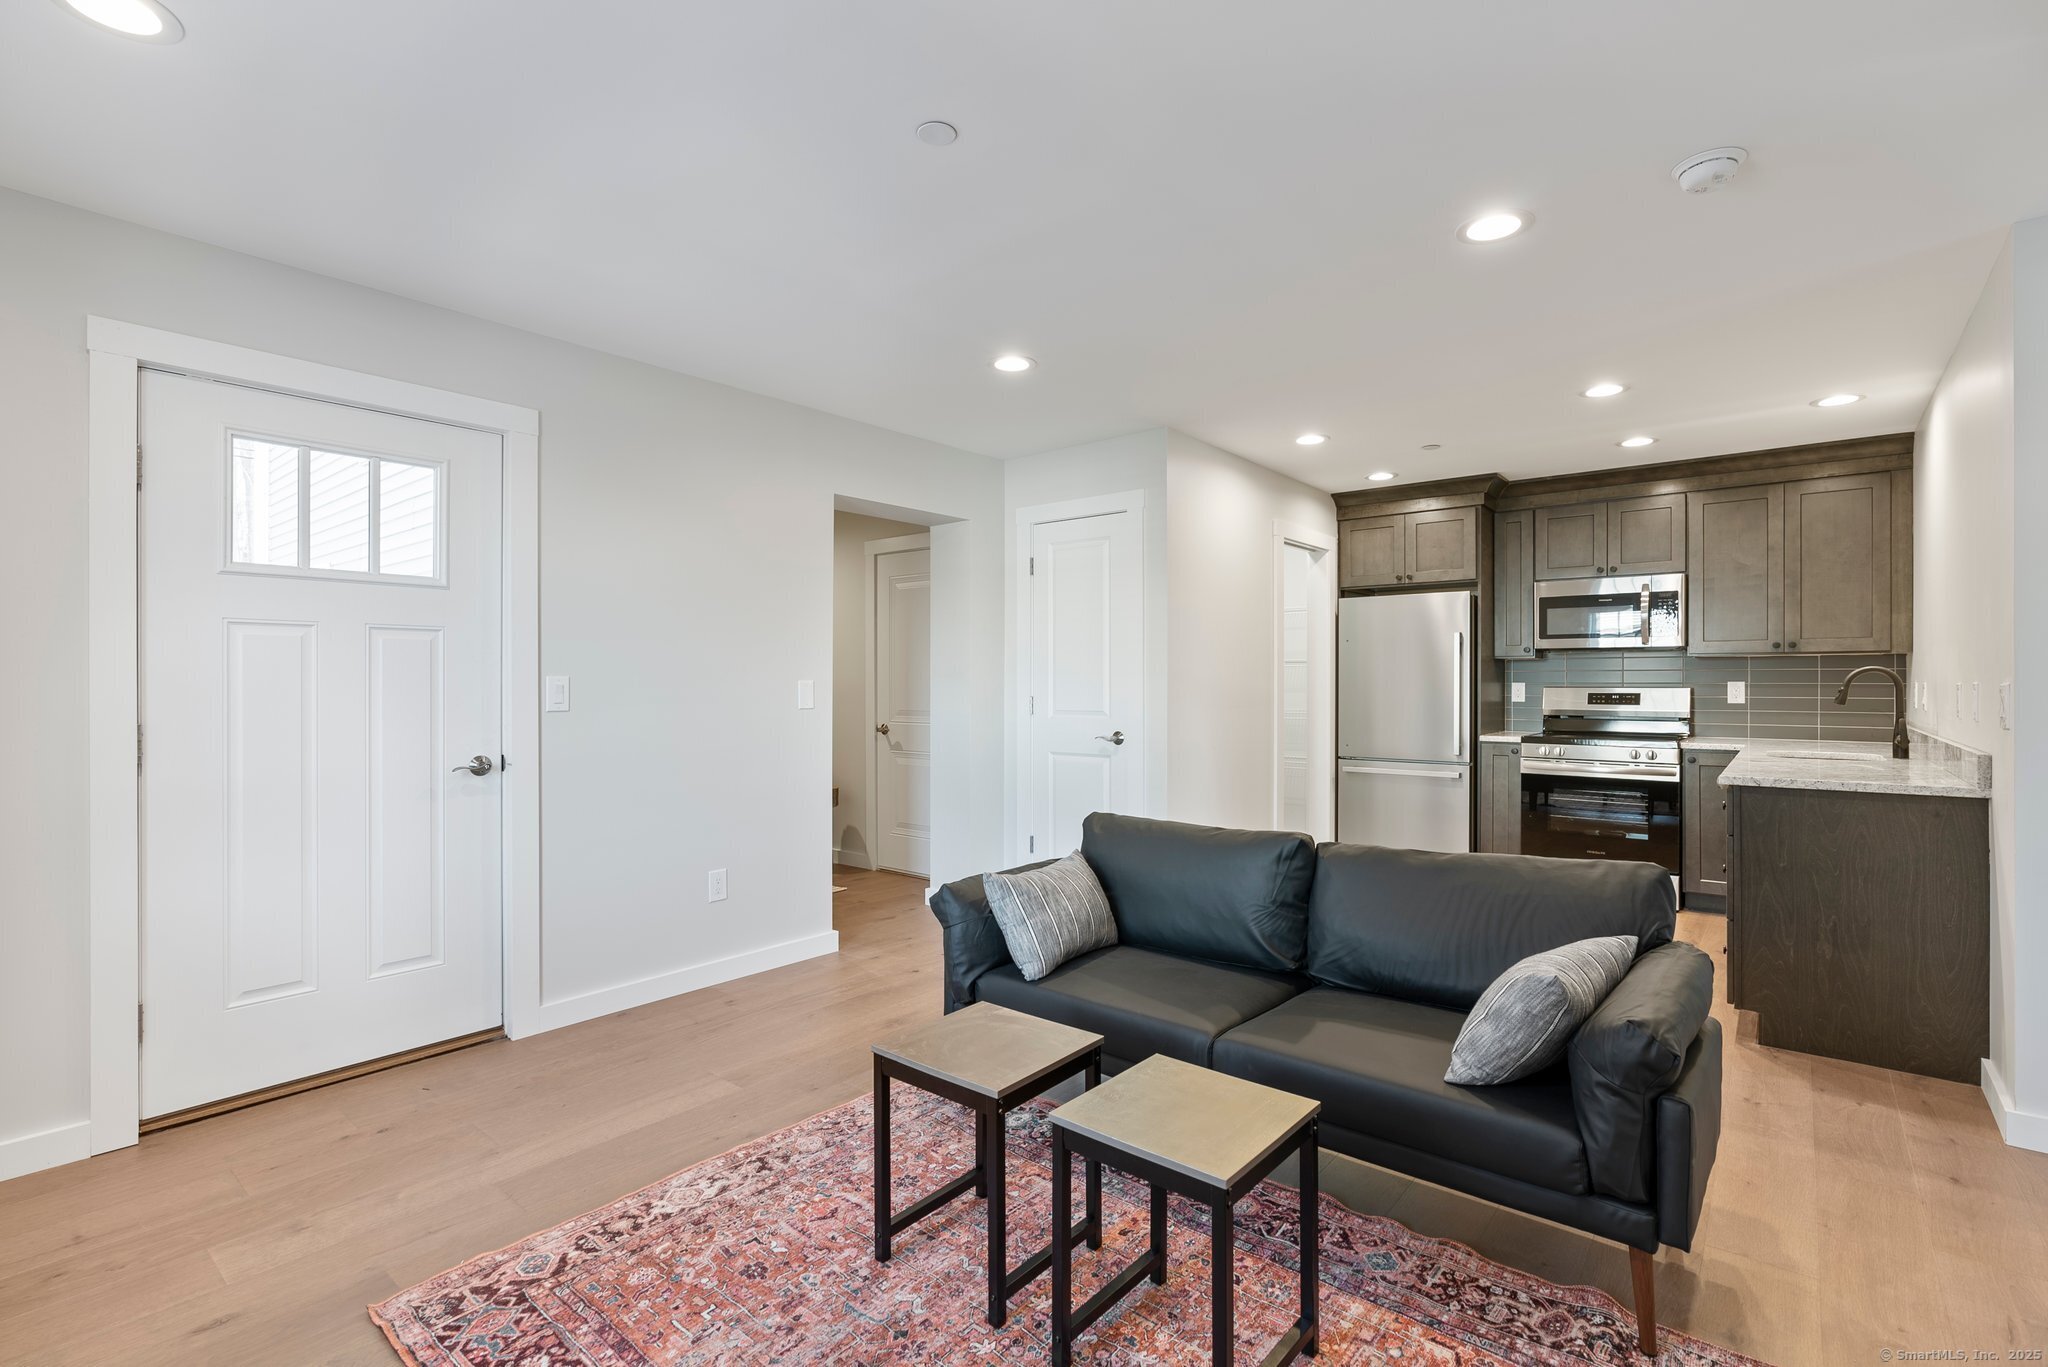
(1621, 612)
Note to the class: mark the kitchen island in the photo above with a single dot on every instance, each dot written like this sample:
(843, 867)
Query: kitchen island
(1859, 901)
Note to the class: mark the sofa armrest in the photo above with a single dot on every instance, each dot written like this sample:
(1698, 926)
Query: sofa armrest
(973, 942)
(1627, 1055)
(1688, 1135)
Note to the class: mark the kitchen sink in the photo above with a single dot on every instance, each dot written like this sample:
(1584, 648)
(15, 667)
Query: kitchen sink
(1828, 754)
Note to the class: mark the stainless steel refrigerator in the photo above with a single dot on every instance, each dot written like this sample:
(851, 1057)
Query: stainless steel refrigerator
(1404, 708)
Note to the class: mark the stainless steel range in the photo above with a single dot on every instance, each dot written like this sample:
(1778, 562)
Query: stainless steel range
(1601, 779)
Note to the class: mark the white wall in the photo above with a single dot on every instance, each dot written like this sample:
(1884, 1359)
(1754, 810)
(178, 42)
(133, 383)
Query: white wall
(1223, 624)
(1968, 587)
(686, 570)
(2028, 831)
(853, 750)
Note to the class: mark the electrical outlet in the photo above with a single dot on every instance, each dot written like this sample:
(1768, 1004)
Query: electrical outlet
(1738, 692)
(2005, 706)
(1518, 692)
(1959, 699)
(715, 891)
(1976, 697)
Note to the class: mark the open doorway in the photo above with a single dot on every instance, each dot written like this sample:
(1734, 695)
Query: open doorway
(881, 695)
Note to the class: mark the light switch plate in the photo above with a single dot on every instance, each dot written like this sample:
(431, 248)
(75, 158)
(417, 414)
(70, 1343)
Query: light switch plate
(1738, 692)
(714, 888)
(2005, 706)
(805, 695)
(558, 693)
(1518, 692)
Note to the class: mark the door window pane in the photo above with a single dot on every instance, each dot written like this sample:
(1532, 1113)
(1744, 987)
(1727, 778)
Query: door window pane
(298, 507)
(406, 521)
(265, 479)
(338, 512)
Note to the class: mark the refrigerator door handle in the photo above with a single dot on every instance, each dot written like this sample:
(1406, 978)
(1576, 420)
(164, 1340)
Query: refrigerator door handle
(1404, 771)
(1458, 714)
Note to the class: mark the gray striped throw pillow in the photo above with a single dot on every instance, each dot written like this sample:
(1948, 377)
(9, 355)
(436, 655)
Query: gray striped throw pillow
(1049, 915)
(1526, 1018)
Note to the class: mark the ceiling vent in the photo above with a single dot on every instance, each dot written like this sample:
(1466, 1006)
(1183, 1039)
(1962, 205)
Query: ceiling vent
(1709, 170)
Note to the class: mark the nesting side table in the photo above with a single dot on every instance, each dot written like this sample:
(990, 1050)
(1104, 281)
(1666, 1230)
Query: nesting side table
(1185, 1129)
(992, 1060)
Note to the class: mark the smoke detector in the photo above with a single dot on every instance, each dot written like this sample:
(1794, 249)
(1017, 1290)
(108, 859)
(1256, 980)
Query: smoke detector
(1709, 170)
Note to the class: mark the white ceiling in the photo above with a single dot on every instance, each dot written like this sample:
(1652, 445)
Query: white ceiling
(1235, 219)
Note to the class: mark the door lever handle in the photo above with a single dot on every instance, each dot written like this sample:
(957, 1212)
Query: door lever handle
(480, 765)
(1114, 738)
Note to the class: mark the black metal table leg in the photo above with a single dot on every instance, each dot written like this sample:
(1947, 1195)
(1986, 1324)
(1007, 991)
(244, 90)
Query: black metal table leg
(1158, 1234)
(881, 1163)
(1093, 1170)
(1311, 1240)
(1222, 1283)
(994, 1154)
(980, 1152)
(1062, 1251)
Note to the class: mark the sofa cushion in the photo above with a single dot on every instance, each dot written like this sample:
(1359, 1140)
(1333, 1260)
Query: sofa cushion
(1526, 1018)
(1141, 1002)
(1378, 1064)
(1439, 928)
(1050, 915)
(973, 940)
(1232, 897)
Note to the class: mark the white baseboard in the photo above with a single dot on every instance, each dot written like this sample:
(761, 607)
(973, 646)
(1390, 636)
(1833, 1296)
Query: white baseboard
(2022, 1129)
(48, 1149)
(605, 1000)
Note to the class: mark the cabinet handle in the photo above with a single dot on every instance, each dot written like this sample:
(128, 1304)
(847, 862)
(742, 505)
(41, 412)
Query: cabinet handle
(1791, 645)
(1777, 645)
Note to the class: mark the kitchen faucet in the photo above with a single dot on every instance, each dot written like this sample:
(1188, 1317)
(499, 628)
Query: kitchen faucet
(1901, 747)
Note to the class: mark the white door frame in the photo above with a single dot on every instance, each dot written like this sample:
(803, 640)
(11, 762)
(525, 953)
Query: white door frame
(117, 352)
(1130, 501)
(1322, 674)
(872, 680)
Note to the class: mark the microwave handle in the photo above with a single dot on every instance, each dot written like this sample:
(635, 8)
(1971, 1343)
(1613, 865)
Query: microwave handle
(1646, 614)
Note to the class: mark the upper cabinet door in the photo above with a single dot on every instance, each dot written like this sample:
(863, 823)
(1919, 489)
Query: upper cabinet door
(1571, 542)
(1443, 546)
(1514, 597)
(1371, 552)
(1646, 535)
(1838, 564)
(1735, 559)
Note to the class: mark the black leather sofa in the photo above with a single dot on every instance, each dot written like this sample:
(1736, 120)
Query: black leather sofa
(1343, 973)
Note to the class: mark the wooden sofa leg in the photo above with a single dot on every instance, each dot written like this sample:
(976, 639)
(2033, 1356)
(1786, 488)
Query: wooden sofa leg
(1644, 1268)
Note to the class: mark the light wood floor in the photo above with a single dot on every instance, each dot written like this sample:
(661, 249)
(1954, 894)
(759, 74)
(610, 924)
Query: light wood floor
(1851, 1209)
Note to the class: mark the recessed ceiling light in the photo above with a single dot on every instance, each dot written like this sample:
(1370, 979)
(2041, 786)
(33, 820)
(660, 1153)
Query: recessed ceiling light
(1380, 476)
(144, 19)
(1492, 227)
(1606, 389)
(1637, 441)
(1836, 400)
(1013, 364)
(937, 132)
(1310, 439)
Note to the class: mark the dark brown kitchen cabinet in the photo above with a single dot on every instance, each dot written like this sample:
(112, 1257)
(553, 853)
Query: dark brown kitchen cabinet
(1372, 552)
(1500, 798)
(1838, 567)
(1735, 571)
(1436, 547)
(1704, 862)
(1514, 596)
(1620, 536)
(1859, 926)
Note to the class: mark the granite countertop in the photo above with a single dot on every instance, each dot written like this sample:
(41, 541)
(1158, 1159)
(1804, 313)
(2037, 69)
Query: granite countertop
(1502, 737)
(1714, 743)
(1854, 767)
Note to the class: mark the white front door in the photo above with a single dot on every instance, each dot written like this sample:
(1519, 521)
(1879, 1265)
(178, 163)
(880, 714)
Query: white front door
(320, 612)
(1084, 741)
(903, 711)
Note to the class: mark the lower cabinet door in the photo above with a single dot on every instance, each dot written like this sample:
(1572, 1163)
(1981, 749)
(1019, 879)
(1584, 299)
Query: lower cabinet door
(1405, 806)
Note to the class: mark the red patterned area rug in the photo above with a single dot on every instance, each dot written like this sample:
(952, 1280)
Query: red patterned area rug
(765, 1255)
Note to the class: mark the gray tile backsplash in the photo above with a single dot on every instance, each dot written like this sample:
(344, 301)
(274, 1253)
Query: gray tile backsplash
(1791, 697)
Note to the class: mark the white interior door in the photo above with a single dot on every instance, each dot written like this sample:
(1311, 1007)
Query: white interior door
(903, 711)
(1084, 725)
(320, 609)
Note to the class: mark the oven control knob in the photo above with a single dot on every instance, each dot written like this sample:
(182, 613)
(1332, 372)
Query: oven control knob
(1635, 754)
(1649, 754)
